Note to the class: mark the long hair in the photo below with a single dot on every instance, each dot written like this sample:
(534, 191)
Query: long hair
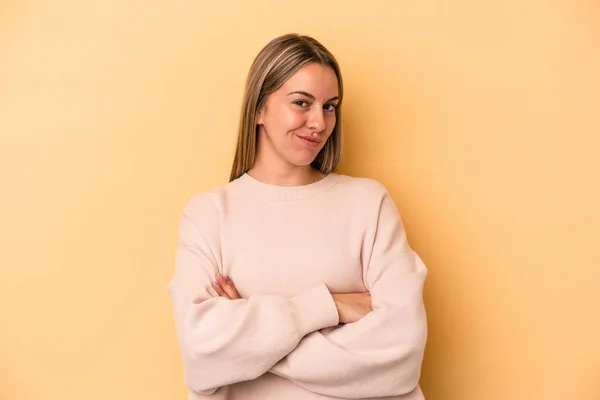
(271, 68)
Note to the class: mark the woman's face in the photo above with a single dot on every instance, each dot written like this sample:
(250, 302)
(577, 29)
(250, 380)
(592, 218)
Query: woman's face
(299, 117)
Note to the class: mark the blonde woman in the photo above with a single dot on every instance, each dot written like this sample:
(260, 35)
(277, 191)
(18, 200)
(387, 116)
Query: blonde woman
(293, 282)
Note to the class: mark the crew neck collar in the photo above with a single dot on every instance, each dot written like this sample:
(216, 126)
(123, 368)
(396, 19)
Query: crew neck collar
(271, 192)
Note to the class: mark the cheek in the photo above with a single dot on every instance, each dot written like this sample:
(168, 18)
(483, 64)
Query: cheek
(285, 120)
(294, 120)
(330, 124)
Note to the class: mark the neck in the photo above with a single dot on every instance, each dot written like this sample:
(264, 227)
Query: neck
(287, 176)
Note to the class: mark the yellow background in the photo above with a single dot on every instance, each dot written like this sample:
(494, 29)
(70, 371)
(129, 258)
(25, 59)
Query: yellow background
(482, 118)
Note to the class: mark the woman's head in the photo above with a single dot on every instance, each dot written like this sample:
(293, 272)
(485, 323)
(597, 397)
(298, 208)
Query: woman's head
(291, 111)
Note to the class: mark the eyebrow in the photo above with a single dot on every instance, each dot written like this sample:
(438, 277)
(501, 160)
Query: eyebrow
(311, 96)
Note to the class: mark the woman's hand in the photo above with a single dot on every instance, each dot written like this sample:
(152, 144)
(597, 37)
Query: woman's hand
(352, 306)
(225, 288)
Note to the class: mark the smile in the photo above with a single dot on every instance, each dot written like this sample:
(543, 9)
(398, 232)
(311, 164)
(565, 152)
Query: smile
(309, 141)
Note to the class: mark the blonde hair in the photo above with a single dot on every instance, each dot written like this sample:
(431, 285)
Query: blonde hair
(271, 68)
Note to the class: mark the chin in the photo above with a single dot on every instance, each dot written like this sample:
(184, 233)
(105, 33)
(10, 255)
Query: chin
(301, 161)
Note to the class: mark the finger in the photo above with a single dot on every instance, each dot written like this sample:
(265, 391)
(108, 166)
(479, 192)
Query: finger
(233, 288)
(228, 288)
(219, 289)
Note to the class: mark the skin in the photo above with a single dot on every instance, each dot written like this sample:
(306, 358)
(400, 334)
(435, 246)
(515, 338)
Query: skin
(304, 106)
(293, 127)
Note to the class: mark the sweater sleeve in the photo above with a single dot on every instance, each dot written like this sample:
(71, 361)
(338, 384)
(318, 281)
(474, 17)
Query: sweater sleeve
(226, 341)
(381, 354)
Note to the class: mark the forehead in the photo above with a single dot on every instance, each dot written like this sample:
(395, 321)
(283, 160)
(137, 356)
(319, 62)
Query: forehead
(316, 79)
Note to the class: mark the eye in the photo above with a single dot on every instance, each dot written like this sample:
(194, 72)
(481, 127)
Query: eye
(330, 107)
(301, 103)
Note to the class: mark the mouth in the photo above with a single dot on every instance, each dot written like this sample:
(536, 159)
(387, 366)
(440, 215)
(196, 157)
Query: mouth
(309, 141)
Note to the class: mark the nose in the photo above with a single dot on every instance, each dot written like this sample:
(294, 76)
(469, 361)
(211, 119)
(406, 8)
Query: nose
(316, 120)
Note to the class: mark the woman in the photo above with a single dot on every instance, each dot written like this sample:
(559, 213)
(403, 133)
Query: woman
(293, 282)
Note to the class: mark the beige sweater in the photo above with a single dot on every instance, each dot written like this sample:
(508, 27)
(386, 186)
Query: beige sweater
(286, 249)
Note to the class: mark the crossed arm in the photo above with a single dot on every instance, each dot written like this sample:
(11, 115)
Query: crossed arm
(351, 307)
(226, 339)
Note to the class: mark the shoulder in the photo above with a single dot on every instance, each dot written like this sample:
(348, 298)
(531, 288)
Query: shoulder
(366, 196)
(207, 204)
(362, 187)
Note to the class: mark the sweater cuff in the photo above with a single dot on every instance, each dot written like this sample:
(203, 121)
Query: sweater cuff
(315, 309)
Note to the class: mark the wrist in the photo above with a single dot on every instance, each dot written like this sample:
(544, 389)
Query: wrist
(337, 300)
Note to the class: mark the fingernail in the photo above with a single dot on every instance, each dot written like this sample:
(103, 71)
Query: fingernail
(216, 285)
(220, 276)
(228, 279)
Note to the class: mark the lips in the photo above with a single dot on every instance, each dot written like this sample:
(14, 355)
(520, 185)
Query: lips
(310, 140)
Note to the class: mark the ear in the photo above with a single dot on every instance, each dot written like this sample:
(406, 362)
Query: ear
(260, 116)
